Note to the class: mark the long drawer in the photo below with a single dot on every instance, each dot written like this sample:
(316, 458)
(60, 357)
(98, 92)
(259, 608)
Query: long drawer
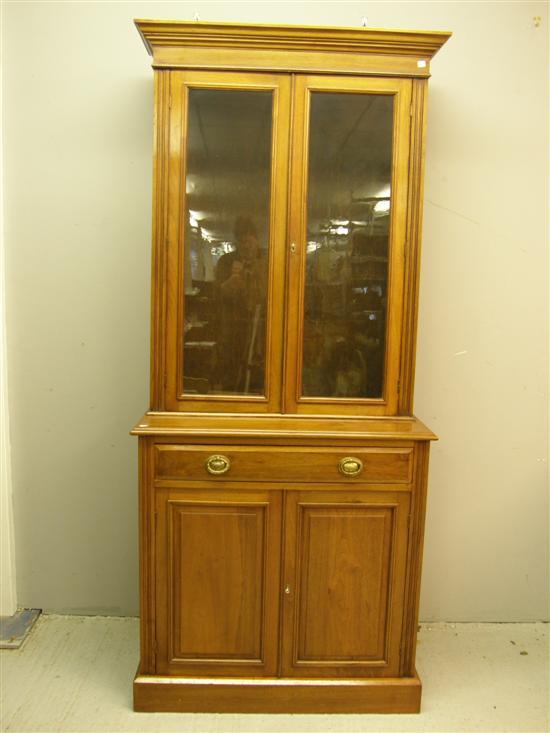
(253, 463)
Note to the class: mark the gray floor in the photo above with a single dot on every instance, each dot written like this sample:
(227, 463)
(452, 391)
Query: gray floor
(75, 674)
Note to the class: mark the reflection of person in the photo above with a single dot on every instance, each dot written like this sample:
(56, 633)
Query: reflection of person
(241, 283)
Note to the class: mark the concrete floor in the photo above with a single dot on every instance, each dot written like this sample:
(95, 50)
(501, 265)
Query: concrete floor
(75, 674)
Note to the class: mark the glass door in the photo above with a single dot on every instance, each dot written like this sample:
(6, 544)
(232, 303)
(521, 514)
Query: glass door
(227, 184)
(348, 206)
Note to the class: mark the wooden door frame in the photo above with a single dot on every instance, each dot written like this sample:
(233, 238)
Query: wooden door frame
(401, 90)
(167, 367)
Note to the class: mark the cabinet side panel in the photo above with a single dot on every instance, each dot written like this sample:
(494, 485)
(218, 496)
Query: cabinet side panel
(146, 560)
(413, 243)
(160, 218)
(414, 563)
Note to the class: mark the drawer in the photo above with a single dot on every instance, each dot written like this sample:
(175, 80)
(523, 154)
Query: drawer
(253, 463)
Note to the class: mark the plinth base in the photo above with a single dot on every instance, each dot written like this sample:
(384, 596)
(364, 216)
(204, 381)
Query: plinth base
(269, 695)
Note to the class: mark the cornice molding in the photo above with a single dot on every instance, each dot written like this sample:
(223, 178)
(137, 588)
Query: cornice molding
(174, 34)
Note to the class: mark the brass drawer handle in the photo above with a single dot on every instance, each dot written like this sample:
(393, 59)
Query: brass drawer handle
(218, 464)
(350, 466)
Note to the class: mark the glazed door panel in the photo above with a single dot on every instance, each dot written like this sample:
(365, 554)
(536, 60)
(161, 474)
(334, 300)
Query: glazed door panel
(345, 556)
(348, 218)
(218, 584)
(227, 195)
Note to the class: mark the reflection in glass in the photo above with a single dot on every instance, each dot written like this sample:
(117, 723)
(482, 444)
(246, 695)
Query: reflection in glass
(228, 162)
(348, 215)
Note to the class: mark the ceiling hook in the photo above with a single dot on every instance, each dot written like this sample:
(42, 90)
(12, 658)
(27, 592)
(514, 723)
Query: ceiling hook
(364, 21)
(196, 17)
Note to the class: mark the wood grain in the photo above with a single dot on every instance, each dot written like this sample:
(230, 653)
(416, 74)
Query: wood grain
(400, 90)
(218, 556)
(282, 585)
(345, 562)
(309, 429)
(161, 125)
(236, 45)
(414, 210)
(147, 559)
(389, 465)
(169, 694)
(180, 84)
(414, 561)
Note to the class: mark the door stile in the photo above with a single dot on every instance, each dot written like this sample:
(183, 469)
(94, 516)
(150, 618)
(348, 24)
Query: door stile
(296, 242)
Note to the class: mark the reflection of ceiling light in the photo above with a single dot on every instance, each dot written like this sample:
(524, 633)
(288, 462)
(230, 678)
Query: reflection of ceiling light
(384, 193)
(195, 217)
(382, 206)
(312, 246)
(359, 223)
(340, 222)
(189, 185)
(219, 248)
(339, 230)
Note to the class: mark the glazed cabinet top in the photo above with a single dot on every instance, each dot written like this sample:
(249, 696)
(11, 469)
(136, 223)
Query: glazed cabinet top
(287, 212)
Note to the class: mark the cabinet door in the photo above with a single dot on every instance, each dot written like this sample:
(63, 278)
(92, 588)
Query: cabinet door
(223, 280)
(348, 222)
(217, 597)
(344, 576)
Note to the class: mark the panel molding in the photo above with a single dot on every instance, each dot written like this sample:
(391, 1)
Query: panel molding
(394, 507)
(223, 548)
(179, 511)
(378, 513)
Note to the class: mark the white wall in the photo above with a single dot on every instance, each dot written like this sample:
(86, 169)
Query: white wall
(8, 589)
(78, 118)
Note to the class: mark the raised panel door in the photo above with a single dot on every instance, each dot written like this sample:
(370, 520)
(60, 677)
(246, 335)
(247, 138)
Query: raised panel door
(218, 582)
(344, 577)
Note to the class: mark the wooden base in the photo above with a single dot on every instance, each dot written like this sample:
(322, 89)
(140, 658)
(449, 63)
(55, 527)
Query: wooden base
(223, 695)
